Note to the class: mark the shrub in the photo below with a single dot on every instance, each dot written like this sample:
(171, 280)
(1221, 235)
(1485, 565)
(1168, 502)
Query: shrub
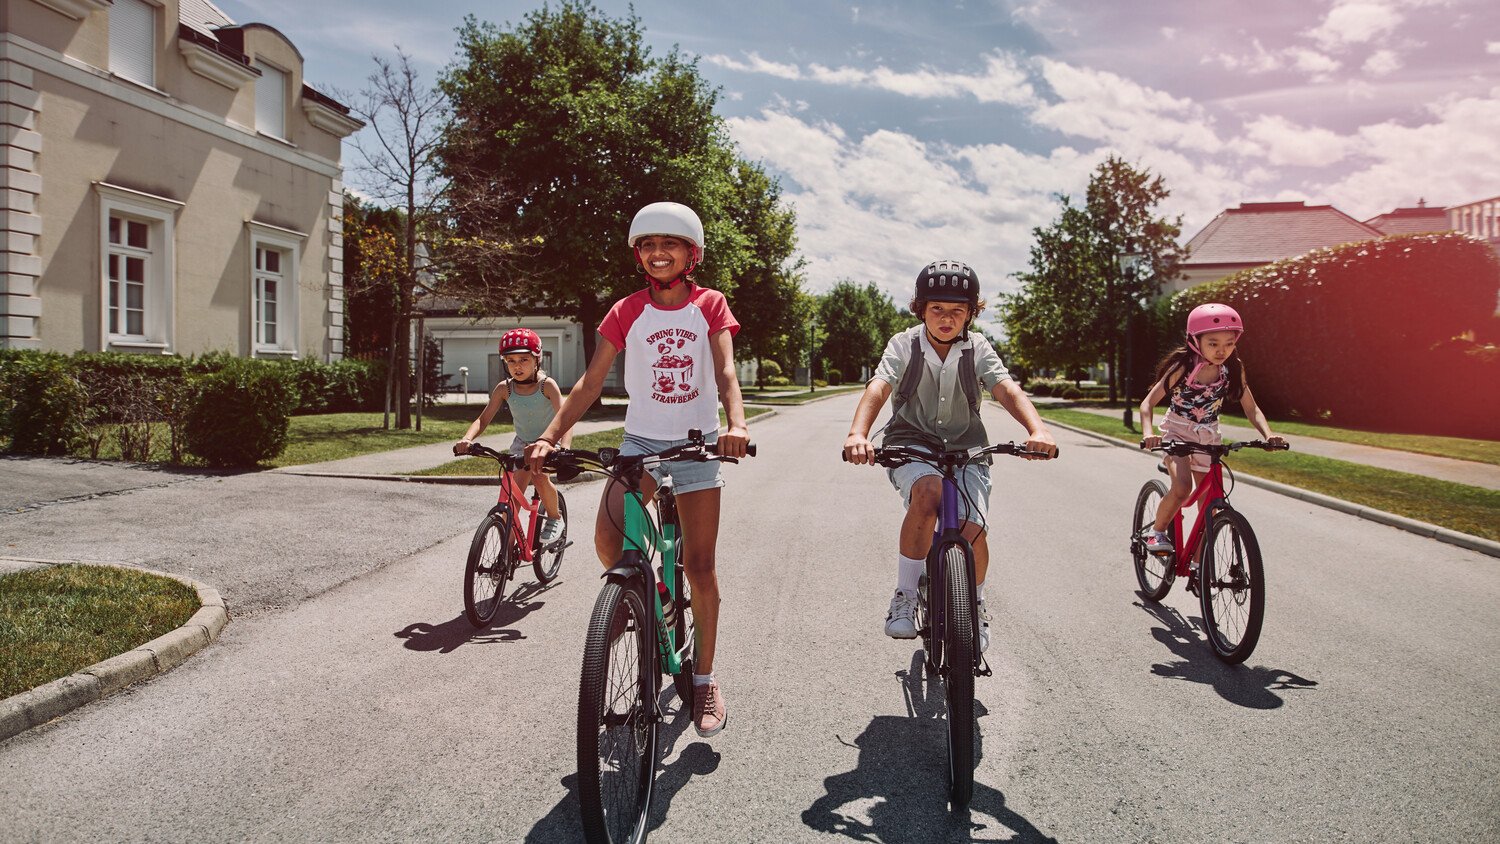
(47, 405)
(1071, 392)
(768, 369)
(835, 376)
(239, 415)
(778, 381)
(1364, 334)
(1040, 387)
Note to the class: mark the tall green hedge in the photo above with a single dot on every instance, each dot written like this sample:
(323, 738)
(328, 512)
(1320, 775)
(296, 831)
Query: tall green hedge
(1376, 334)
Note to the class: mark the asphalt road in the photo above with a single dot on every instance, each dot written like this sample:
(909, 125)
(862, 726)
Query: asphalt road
(350, 700)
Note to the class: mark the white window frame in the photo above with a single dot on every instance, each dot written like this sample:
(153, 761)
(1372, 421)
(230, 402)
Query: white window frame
(128, 64)
(290, 244)
(269, 75)
(160, 214)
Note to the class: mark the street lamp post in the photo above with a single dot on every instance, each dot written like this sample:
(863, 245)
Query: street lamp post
(812, 334)
(1130, 264)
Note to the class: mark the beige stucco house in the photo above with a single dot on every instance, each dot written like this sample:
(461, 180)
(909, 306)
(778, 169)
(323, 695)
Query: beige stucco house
(170, 184)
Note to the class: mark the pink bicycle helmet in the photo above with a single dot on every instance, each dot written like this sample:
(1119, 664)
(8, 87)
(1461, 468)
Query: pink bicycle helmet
(520, 340)
(1212, 317)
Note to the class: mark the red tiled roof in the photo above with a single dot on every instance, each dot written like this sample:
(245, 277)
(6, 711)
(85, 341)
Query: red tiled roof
(1411, 221)
(1262, 232)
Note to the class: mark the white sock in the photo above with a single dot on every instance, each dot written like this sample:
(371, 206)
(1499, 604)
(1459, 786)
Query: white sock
(908, 572)
(703, 679)
(980, 590)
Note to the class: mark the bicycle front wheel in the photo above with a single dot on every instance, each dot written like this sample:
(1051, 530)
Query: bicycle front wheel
(1153, 572)
(959, 683)
(1232, 588)
(488, 568)
(546, 560)
(617, 717)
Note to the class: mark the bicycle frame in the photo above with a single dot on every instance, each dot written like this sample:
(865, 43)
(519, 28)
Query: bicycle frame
(1210, 490)
(949, 531)
(513, 498)
(643, 540)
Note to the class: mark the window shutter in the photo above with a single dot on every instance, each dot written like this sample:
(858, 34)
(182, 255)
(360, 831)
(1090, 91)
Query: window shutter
(132, 41)
(270, 101)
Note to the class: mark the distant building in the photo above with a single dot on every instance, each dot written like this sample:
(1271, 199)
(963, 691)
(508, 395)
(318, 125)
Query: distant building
(1418, 220)
(171, 185)
(1478, 219)
(1258, 233)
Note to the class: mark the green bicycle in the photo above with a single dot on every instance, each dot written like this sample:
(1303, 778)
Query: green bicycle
(641, 627)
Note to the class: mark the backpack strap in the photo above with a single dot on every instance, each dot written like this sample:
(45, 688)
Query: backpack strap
(911, 377)
(969, 377)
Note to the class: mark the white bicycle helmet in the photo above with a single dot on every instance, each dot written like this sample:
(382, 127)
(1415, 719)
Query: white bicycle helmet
(672, 219)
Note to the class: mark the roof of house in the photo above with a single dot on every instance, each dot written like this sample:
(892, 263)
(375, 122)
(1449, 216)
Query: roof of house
(202, 16)
(206, 19)
(1418, 220)
(1262, 232)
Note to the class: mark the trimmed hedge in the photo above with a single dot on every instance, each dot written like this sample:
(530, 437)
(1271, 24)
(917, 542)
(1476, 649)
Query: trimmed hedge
(45, 405)
(240, 415)
(1376, 334)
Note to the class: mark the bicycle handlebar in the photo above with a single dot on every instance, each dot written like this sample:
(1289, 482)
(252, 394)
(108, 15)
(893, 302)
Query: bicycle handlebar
(1178, 448)
(609, 460)
(892, 456)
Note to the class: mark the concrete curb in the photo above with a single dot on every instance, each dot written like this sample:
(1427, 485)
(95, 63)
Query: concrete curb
(1431, 531)
(460, 480)
(36, 707)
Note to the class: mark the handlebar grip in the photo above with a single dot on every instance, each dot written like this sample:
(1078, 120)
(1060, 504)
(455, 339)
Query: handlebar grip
(750, 449)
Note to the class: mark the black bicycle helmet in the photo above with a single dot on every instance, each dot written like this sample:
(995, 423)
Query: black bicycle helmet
(948, 281)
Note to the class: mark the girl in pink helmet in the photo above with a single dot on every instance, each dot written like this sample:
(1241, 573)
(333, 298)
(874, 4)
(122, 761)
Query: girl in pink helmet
(534, 400)
(1198, 376)
(679, 367)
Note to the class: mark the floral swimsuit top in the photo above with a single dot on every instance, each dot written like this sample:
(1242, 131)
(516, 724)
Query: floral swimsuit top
(1200, 403)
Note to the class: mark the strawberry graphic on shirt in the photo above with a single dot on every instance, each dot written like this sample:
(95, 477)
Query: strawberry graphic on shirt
(672, 373)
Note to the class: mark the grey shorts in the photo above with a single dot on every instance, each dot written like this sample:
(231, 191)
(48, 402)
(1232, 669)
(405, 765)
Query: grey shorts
(974, 487)
(687, 475)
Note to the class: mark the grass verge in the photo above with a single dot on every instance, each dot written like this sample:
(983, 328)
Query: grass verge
(802, 397)
(57, 620)
(1468, 509)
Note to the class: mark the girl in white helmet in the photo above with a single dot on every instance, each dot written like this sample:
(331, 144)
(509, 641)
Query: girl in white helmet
(679, 367)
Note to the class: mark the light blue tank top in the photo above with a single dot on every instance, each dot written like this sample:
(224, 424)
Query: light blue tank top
(531, 413)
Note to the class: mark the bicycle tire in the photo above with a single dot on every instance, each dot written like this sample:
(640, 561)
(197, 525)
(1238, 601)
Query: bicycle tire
(546, 564)
(1154, 573)
(1231, 587)
(929, 622)
(959, 680)
(617, 729)
(487, 569)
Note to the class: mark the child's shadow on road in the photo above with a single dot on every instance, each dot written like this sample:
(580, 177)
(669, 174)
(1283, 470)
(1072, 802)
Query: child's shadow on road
(1253, 687)
(449, 635)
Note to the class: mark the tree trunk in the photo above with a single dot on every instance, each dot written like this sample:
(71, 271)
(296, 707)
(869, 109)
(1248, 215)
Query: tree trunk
(590, 313)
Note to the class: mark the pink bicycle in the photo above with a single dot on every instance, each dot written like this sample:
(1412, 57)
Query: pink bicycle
(509, 536)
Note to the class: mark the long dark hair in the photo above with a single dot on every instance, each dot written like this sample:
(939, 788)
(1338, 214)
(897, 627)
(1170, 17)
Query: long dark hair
(1184, 358)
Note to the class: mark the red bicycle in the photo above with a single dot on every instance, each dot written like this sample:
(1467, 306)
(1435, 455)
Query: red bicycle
(509, 536)
(1224, 571)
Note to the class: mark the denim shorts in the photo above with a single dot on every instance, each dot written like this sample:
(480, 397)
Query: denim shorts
(973, 484)
(687, 475)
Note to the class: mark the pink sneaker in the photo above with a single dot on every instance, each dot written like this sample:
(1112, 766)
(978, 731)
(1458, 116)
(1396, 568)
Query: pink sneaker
(709, 712)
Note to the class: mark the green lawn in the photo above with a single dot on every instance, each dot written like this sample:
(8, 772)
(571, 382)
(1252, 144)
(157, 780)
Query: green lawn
(57, 620)
(753, 395)
(1481, 451)
(1468, 509)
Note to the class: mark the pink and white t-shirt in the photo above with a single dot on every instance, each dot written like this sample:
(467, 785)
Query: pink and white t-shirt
(668, 361)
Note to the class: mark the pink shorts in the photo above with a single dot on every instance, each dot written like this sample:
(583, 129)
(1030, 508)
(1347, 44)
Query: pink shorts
(1174, 427)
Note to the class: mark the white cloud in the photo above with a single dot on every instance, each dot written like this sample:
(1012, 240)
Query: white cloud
(1262, 61)
(1312, 62)
(1003, 79)
(756, 64)
(1283, 143)
(1105, 107)
(1492, 47)
(1355, 22)
(1382, 63)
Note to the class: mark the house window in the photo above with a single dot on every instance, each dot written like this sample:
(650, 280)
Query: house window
(132, 41)
(270, 100)
(275, 255)
(137, 278)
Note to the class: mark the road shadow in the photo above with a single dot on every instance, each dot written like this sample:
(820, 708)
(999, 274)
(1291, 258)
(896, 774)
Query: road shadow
(447, 636)
(1253, 687)
(898, 790)
(562, 823)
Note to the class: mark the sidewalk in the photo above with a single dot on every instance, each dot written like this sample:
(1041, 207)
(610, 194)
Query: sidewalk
(1484, 475)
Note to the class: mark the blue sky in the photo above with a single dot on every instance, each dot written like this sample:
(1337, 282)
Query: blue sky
(904, 132)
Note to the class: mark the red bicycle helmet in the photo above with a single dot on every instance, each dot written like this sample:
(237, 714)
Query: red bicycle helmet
(520, 340)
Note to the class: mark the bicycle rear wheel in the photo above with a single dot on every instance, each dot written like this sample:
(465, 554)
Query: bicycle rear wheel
(1153, 572)
(617, 717)
(545, 562)
(488, 568)
(959, 681)
(1232, 588)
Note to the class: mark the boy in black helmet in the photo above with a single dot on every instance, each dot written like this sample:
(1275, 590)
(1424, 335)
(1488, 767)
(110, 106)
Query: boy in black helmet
(937, 370)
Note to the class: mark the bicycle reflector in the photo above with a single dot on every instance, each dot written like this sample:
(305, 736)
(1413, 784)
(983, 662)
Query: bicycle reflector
(607, 455)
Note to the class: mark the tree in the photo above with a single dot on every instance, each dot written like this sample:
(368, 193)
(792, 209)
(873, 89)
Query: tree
(584, 127)
(1075, 305)
(768, 282)
(856, 324)
(372, 274)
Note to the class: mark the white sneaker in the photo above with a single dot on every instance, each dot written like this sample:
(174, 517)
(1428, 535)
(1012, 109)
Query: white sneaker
(984, 627)
(901, 621)
(552, 530)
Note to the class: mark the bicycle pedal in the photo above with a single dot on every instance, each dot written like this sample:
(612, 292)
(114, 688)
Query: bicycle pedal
(984, 668)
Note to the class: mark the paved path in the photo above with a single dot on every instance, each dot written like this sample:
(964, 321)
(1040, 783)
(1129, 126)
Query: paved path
(1486, 475)
(369, 710)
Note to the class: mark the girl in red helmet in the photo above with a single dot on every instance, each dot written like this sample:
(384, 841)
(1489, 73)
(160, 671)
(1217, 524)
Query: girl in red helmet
(679, 367)
(1198, 376)
(534, 400)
